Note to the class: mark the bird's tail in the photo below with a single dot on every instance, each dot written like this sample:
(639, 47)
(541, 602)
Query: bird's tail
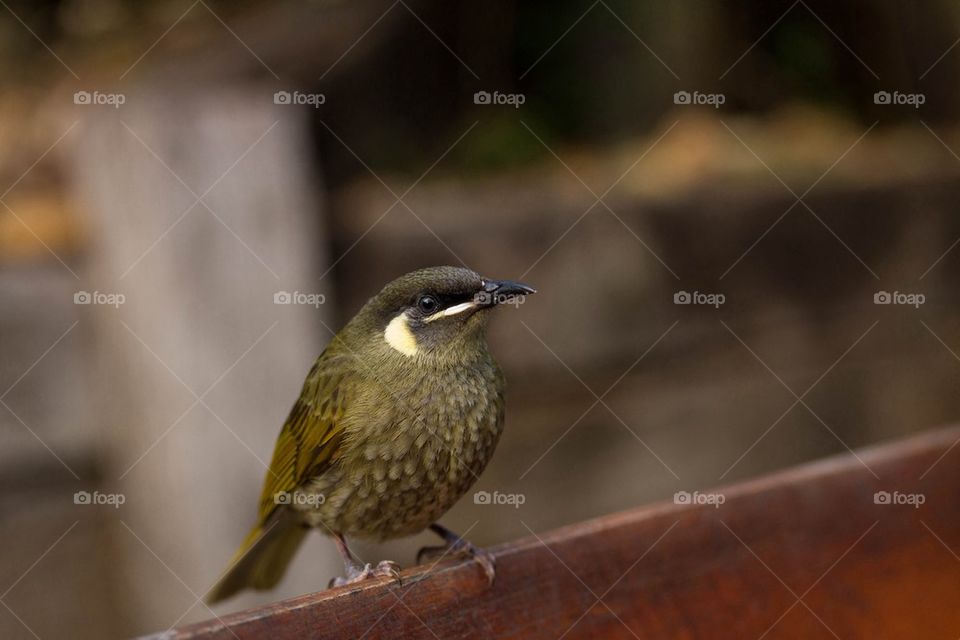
(262, 558)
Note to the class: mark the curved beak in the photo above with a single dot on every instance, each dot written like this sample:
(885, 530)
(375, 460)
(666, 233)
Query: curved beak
(501, 291)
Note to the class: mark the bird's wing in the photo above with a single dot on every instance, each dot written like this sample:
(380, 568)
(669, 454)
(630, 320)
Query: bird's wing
(311, 436)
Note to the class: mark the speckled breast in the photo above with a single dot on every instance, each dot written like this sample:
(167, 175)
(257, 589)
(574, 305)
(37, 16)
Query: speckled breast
(396, 478)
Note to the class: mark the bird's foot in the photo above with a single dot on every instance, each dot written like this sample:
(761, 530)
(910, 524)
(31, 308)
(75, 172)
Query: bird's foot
(357, 573)
(462, 547)
(389, 569)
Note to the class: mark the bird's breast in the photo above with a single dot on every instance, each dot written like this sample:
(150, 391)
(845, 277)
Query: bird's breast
(423, 446)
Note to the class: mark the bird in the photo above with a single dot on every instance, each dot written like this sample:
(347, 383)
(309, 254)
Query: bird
(396, 420)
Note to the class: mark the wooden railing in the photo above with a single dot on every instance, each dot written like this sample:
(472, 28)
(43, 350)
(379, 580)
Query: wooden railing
(811, 552)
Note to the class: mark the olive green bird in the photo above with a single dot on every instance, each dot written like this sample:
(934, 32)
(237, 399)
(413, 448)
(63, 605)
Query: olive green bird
(396, 420)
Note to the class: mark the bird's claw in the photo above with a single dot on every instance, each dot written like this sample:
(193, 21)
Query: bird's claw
(389, 569)
(462, 547)
(486, 561)
(355, 574)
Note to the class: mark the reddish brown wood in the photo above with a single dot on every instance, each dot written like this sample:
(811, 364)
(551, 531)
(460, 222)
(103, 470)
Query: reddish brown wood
(864, 570)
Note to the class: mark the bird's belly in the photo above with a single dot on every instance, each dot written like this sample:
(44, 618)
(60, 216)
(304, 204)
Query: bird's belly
(397, 482)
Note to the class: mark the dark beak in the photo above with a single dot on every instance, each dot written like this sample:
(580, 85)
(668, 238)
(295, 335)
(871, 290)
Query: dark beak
(500, 291)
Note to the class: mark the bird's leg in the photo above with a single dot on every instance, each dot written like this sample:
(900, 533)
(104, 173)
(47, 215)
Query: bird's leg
(457, 544)
(357, 572)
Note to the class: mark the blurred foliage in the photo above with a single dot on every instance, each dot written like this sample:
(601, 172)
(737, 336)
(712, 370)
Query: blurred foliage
(592, 74)
(804, 51)
(501, 143)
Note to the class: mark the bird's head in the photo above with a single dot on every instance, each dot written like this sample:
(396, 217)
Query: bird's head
(432, 311)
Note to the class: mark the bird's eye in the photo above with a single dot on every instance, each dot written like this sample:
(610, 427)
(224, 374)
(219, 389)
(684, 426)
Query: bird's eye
(428, 304)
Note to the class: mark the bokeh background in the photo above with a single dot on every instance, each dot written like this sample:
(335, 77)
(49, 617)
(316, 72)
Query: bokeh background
(176, 165)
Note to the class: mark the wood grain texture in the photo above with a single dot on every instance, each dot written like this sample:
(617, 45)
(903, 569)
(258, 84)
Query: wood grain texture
(806, 553)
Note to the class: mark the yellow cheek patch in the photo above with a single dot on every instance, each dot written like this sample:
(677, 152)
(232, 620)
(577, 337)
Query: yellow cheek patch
(399, 336)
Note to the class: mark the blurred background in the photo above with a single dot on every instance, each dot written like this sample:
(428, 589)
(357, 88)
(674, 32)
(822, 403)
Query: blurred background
(741, 217)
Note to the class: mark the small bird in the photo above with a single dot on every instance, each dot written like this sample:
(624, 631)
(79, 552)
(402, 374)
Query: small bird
(396, 420)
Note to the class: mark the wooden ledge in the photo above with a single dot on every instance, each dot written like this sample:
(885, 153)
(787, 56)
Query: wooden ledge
(807, 552)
